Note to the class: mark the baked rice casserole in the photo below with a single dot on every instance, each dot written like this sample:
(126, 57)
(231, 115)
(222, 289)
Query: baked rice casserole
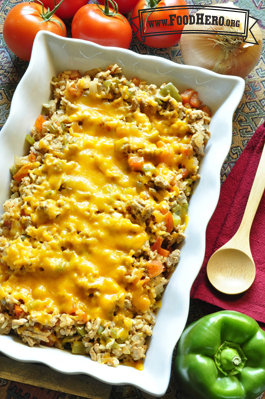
(90, 235)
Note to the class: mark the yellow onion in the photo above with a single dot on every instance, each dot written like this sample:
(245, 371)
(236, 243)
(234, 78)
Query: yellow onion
(222, 53)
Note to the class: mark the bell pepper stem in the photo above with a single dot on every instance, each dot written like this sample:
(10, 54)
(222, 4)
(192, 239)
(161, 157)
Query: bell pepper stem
(230, 358)
(236, 360)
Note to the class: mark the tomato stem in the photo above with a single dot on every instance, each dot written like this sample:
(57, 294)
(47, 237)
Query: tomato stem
(106, 7)
(152, 3)
(47, 16)
(106, 10)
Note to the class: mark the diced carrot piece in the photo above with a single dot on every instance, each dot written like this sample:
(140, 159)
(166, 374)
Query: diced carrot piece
(32, 157)
(136, 163)
(190, 96)
(22, 172)
(74, 90)
(169, 222)
(166, 156)
(160, 144)
(82, 316)
(75, 75)
(136, 81)
(39, 122)
(187, 152)
(155, 267)
(194, 101)
(163, 209)
(18, 310)
(157, 244)
(206, 109)
(163, 252)
(186, 96)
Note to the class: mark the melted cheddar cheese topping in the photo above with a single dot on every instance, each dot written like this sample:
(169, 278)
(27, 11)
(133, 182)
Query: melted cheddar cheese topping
(80, 245)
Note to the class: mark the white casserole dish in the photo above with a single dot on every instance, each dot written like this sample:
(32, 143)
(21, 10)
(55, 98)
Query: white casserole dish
(53, 54)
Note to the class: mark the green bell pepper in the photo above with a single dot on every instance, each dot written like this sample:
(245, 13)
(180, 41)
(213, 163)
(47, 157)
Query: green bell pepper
(169, 88)
(222, 356)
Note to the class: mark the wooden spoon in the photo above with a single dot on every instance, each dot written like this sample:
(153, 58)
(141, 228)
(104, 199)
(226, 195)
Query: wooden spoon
(231, 269)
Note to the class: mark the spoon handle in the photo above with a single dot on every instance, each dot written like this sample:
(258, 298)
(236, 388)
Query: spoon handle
(257, 189)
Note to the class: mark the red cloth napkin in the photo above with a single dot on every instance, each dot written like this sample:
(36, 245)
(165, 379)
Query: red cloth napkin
(224, 224)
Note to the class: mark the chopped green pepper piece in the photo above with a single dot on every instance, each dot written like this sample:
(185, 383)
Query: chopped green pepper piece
(100, 330)
(78, 348)
(107, 83)
(81, 330)
(148, 167)
(222, 356)
(113, 333)
(185, 206)
(115, 346)
(159, 102)
(176, 220)
(53, 129)
(172, 90)
(176, 210)
(14, 169)
(45, 109)
(66, 340)
(29, 139)
(63, 126)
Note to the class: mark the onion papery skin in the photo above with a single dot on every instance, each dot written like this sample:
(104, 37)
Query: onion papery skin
(200, 50)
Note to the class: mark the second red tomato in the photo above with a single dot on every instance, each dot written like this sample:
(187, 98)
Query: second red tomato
(158, 22)
(90, 23)
(125, 6)
(67, 9)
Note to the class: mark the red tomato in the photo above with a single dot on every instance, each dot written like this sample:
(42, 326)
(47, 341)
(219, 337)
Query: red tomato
(21, 25)
(124, 6)
(67, 9)
(90, 23)
(160, 40)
